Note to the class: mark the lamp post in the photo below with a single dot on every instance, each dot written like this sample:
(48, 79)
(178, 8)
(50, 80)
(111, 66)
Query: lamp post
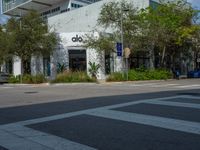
(122, 39)
(20, 28)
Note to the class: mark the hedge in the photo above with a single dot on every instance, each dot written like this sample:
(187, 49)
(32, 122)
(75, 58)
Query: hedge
(138, 74)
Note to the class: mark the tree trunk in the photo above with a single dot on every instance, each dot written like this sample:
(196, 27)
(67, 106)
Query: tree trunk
(163, 56)
(26, 66)
(152, 57)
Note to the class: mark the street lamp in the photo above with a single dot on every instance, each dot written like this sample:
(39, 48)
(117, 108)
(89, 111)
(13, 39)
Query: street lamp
(20, 28)
(122, 38)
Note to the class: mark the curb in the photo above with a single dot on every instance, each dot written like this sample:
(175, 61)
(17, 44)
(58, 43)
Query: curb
(101, 82)
(24, 85)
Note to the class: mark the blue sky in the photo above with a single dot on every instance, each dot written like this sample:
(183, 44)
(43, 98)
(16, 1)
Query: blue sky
(195, 3)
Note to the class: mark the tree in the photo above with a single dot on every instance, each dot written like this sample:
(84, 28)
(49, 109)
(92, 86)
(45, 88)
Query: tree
(29, 36)
(195, 41)
(162, 30)
(166, 25)
(110, 20)
(3, 53)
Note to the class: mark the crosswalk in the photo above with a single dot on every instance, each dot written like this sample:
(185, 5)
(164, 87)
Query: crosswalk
(22, 136)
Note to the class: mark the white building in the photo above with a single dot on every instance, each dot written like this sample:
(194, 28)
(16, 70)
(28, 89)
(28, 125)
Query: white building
(71, 26)
(76, 24)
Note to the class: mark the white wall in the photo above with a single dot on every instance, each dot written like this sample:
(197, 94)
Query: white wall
(16, 66)
(36, 65)
(84, 19)
(62, 56)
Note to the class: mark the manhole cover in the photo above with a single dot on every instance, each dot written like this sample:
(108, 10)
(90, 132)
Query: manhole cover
(31, 92)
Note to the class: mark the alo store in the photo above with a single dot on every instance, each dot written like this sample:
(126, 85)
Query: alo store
(72, 54)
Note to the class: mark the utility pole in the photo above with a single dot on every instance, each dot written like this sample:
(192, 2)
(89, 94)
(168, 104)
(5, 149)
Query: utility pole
(122, 38)
(20, 27)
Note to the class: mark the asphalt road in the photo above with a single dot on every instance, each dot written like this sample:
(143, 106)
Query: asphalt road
(156, 115)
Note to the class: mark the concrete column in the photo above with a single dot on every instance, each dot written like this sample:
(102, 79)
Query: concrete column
(118, 64)
(36, 65)
(16, 66)
(98, 58)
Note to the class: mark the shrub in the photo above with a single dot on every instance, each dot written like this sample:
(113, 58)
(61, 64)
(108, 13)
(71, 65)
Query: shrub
(14, 79)
(116, 76)
(69, 77)
(141, 74)
(94, 69)
(28, 79)
(39, 78)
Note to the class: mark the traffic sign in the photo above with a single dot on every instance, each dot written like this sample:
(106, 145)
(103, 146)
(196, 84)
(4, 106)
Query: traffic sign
(119, 49)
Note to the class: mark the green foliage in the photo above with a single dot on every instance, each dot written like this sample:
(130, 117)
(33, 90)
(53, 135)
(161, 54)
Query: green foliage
(162, 29)
(116, 76)
(28, 36)
(110, 18)
(104, 42)
(14, 79)
(61, 68)
(39, 78)
(141, 74)
(28, 79)
(70, 77)
(4, 54)
(94, 69)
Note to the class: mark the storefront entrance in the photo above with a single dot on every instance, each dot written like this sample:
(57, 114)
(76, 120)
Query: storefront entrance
(47, 66)
(77, 60)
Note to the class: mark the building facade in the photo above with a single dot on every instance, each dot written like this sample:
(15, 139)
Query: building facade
(71, 26)
(45, 7)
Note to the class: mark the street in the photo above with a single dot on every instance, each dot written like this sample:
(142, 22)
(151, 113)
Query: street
(147, 115)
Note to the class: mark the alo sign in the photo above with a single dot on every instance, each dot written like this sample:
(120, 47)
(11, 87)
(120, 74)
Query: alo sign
(77, 39)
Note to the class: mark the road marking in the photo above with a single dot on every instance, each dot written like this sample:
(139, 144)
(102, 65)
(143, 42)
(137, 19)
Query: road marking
(188, 86)
(148, 85)
(14, 142)
(35, 138)
(71, 114)
(16, 136)
(167, 123)
(164, 85)
(177, 104)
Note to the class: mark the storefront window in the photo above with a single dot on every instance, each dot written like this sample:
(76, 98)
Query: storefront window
(9, 66)
(77, 60)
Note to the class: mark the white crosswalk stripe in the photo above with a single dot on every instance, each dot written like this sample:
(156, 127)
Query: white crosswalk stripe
(167, 123)
(16, 136)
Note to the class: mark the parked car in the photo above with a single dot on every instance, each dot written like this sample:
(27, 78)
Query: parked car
(4, 77)
(193, 74)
